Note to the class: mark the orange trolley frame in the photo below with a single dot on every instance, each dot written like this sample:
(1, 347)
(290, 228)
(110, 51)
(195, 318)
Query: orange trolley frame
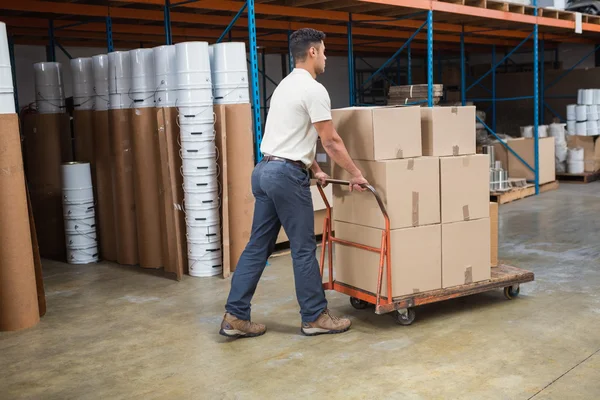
(504, 276)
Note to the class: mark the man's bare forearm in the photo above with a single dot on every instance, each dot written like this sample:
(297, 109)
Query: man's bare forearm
(339, 154)
(315, 168)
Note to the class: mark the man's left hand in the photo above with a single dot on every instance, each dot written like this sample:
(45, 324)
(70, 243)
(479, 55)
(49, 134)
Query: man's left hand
(322, 177)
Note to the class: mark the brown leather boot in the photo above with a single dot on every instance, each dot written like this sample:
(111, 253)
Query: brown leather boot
(234, 327)
(326, 323)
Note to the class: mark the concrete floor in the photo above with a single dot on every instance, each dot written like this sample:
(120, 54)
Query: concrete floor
(113, 332)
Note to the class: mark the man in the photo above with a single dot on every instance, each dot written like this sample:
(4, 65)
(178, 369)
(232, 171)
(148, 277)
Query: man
(300, 112)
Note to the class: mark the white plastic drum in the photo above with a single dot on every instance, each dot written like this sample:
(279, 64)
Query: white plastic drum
(48, 75)
(542, 131)
(84, 103)
(7, 103)
(200, 183)
(56, 106)
(581, 113)
(82, 256)
(575, 154)
(195, 97)
(592, 128)
(142, 99)
(119, 72)
(581, 128)
(85, 210)
(81, 240)
(142, 71)
(201, 250)
(201, 132)
(206, 266)
(229, 66)
(165, 59)
(196, 115)
(571, 127)
(83, 76)
(201, 199)
(204, 235)
(202, 217)
(197, 149)
(199, 167)
(166, 98)
(232, 95)
(193, 65)
(119, 101)
(577, 167)
(80, 225)
(100, 68)
(592, 113)
(588, 96)
(580, 96)
(571, 112)
(76, 175)
(596, 96)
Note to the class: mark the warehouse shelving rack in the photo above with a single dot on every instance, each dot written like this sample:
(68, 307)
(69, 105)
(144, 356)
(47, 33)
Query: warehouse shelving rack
(354, 28)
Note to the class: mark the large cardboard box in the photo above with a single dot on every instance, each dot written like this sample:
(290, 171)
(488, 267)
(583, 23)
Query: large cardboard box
(525, 149)
(409, 189)
(465, 183)
(448, 131)
(465, 252)
(591, 150)
(494, 234)
(415, 255)
(379, 133)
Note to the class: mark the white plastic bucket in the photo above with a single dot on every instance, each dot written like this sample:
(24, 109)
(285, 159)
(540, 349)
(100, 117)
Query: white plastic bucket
(78, 196)
(571, 127)
(232, 95)
(576, 167)
(588, 97)
(195, 97)
(209, 265)
(592, 113)
(200, 132)
(581, 113)
(165, 98)
(542, 131)
(83, 255)
(200, 183)
(196, 115)
(201, 199)
(7, 103)
(581, 128)
(204, 234)
(228, 57)
(596, 96)
(6, 82)
(100, 68)
(527, 131)
(83, 76)
(84, 103)
(580, 96)
(198, 149)
(76, 175)
(80, 225)
(165, 59)
(192, 57)
(199, 167)
(571, 115)
(56, 106)
(194, 80)
(119, 101)
(142, 70)
(84, 210)
(81, 240)
(119, 72)
(142, 99)
(575, 154)
(49, 93)
(202, 218)
(201, 250)
(101, 103)
(4, 51)
(592, 128)
(230, 79)
(48, 74)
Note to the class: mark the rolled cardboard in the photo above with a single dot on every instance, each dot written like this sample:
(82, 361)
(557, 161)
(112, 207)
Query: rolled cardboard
(18, 293)
(47, 146)
(37, 261)
(105, 210)
(123, 190)
(83, 134)
(146, 169)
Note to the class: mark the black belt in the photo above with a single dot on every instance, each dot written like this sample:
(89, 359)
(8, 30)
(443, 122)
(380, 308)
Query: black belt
(274, 158)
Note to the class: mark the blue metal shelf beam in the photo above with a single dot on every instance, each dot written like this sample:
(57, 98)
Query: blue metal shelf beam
(232, 23)
(255, 93)
(109, 38)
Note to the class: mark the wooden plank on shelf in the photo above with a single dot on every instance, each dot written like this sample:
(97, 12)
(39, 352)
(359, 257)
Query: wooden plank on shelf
(586, 177)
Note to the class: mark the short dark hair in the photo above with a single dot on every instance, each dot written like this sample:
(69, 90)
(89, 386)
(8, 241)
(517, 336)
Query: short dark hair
(302, 40)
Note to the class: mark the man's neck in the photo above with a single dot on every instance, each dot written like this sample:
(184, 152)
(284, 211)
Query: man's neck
(311, 71)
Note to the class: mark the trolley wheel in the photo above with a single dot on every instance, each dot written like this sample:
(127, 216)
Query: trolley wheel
(358, 303)
(405, 316)
(510, 292)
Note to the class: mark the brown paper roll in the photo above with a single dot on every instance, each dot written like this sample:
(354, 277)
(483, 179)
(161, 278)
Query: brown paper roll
(47, 146)
(18, 292)
(123, 190)
(146, 176)
(105, 210)
(83, 132)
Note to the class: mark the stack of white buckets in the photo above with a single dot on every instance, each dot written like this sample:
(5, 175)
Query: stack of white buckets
(119, 80)
(165, 83)
(229, 73)
(100, 68)
(7, 97)
(83, 83)
(142, 78)
(198, 153)
(49, 91)
(79, 213)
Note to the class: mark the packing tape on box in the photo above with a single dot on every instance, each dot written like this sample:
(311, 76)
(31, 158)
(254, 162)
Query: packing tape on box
(468, 275)
(466, 215)
(411, 164)
(454, 110)
(399, 153)
(415, 208)
(456, 151)
(415, 291)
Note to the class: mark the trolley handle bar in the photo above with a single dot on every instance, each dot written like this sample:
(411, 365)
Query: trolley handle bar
(368, 187)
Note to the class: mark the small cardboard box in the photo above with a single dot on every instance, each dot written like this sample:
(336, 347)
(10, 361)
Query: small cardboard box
(465, 183)
(494, 234)
(591, 150)
(379, 133)
(465, 252)
(448, 131)
(525, 149)
(409, 190)
(415, 256)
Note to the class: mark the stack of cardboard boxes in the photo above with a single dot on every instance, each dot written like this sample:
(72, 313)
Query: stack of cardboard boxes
(422, 162)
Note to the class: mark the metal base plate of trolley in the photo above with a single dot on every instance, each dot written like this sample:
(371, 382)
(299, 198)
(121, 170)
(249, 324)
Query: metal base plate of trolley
(504, 277)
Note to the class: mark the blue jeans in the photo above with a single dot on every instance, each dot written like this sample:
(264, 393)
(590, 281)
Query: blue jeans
(282, 193)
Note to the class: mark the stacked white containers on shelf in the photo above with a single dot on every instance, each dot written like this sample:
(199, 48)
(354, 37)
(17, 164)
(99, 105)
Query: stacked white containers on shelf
(198, 152)
(79, 213)
(229, 73)
(83, 83)
(49, 91)
(119, 80)
(583, 117)
(142, 78)
(165, 82)
(100, 67)
(7, 96)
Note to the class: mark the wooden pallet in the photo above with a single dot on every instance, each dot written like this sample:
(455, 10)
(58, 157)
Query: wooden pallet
(518, 193)
(586, 177)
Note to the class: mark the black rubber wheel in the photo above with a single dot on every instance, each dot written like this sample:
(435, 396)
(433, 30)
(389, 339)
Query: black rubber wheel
(358, 303)
(405, 318)
(510, 292)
